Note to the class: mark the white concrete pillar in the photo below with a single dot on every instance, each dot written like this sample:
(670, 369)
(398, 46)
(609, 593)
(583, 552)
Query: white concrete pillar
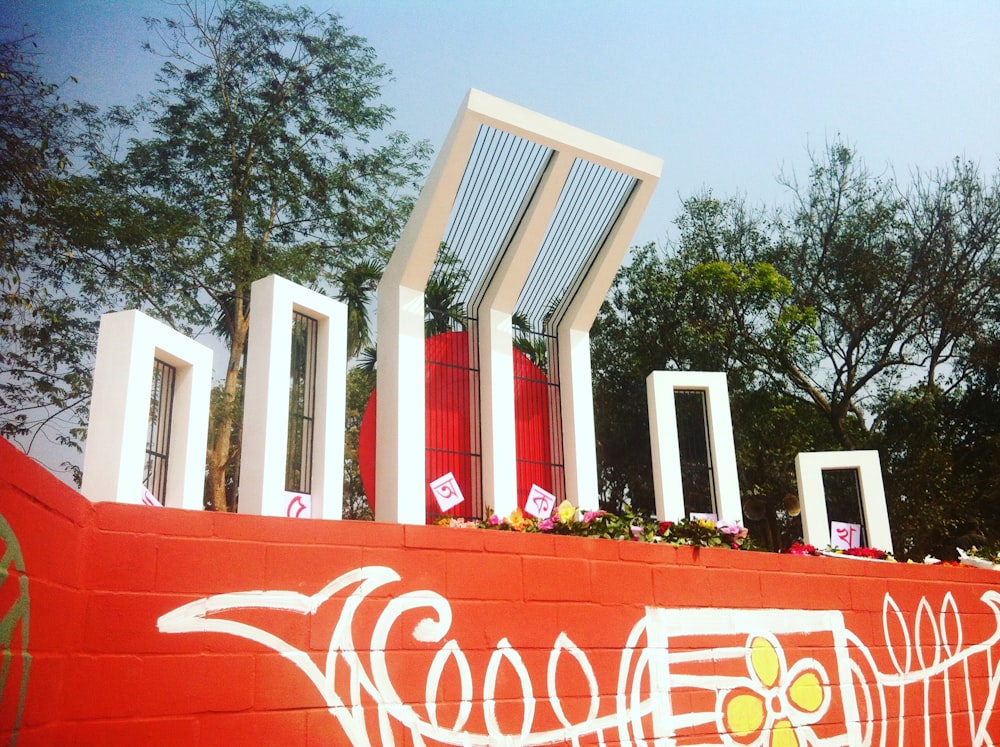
(128, 344)
(400, 452)
(496, 337)
(266, 402)
(574, 318)
(576, 397)
(809, 468)
(665, 446)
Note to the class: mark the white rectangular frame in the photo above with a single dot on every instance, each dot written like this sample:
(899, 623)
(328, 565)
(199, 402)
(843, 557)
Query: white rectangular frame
(265, 425)
(128, 343)
(809, 468)
(665, 446)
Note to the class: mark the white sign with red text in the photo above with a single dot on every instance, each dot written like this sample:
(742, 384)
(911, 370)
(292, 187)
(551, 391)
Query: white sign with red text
(540, 502)
(844, 536)
(447, 492)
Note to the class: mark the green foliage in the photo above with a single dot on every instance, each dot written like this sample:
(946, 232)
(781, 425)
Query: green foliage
(264, 150)
(989, 552)
(626, 524)
(360, 384)
(862, 316)
(268, 153)
(47, 327)
(692, 311)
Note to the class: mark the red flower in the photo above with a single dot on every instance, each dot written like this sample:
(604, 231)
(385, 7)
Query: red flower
(867, 552)
(798, 548)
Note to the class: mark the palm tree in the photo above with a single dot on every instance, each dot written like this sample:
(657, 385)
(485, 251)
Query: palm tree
(358, 283)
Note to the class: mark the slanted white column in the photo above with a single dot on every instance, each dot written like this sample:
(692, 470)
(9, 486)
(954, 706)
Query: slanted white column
(128, 344)
(400, 458)
(400, 451)
(809, 467)
(496, 339)
(266, 396)
(665, 445)
(573, 320)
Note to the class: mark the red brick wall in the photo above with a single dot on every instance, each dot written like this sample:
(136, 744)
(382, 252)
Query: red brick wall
(548, 636)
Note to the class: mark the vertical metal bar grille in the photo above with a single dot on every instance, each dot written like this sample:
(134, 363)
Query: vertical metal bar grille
(301, 404)
(538, 415)
(842, 489)
(697, 464)
(453, 433)
(590, 203)
(161, 406)
(500, 176)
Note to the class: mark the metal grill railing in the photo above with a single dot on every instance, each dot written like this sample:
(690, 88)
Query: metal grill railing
(540, 458)
(301, 404)
(161, 404)
(697, 464)
(453, 427)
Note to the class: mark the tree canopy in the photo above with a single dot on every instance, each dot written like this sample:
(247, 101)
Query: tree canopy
(858, 317)
(44, 324)
(265, 149)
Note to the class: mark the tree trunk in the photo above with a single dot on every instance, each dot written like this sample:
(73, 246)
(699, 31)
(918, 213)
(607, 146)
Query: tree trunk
(220, 450)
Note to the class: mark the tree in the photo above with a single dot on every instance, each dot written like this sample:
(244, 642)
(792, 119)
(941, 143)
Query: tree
(895, 279)
(44, 371)
(360, 383)
(862, 316)
(690, 311)
(260, 160)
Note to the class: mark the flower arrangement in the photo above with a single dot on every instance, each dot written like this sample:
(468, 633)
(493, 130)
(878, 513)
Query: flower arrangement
(990, 554)
(567, 519)
(869, 553)
(798, 548)
(704, 533)
(987, 556)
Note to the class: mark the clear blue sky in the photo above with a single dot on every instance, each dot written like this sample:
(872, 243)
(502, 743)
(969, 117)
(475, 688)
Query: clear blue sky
(727, 92)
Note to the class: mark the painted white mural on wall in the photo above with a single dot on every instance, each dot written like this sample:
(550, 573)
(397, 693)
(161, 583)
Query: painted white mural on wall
(698, 677)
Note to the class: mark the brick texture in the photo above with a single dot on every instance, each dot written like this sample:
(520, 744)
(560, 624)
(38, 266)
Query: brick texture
(293, 632)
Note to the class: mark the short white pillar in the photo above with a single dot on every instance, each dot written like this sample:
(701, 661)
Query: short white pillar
(809, 467)
(128, 344)
(266, 396)
(665, 445)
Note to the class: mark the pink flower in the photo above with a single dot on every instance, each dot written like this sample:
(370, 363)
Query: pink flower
(546, 525)
(494, 520)
(591, 515)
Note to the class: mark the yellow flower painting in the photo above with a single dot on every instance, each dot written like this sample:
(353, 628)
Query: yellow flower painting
(777, 705)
